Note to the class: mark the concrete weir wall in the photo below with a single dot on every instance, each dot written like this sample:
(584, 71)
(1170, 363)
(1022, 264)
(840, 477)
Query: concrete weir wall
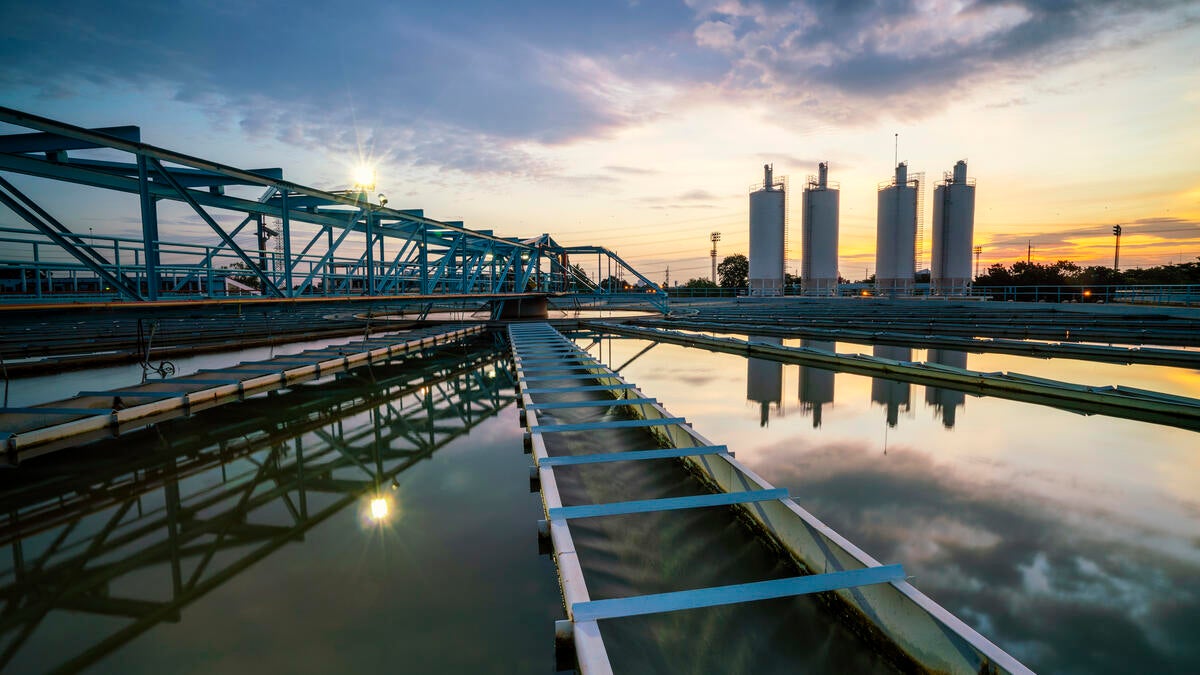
(896, 612)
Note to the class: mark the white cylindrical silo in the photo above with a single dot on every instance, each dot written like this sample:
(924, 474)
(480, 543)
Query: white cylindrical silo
(768, 207)
(953, 233)
(819, 235)
(896, 236)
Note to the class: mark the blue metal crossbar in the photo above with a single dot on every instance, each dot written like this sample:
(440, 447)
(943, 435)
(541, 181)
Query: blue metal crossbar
(571, 390)
(606, 403)
(667, 504)
(54, 411)
(546, 369)
(615, 424)
(583, 376)
(542, 351)
(630, 455)
(726, 595)
(580, 359)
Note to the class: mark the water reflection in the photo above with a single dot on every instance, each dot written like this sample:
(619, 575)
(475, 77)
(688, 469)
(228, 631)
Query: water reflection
(764, 381)
(894, 396)
(946, 402)
(1064, 595)
(1071, 541)
(816, 384)
(110, 541)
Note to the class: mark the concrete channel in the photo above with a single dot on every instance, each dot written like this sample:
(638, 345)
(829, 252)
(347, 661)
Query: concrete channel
(580, 415)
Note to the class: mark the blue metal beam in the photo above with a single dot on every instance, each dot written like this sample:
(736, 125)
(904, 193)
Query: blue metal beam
(666, 504)
(186, 195)
(725, 595)
(633, 455)
(573, 390)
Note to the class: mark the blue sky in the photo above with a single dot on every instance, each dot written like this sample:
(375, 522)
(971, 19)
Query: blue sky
(639, 125)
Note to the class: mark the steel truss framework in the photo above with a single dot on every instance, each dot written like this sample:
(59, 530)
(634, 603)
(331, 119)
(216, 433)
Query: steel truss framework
(75, 536)
(328, 243)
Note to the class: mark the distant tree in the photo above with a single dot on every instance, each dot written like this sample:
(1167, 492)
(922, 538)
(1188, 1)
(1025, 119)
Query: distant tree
(578, 279)
(699, 283)
(734, 271)
(250, 279)
(612, 283)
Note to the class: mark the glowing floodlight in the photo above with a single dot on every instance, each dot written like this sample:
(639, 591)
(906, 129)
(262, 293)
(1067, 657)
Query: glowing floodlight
(364, 177)
(379, 509)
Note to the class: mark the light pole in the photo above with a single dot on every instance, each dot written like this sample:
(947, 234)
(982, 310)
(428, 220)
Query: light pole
(715, 236)
(1117, 249)
(978, 250)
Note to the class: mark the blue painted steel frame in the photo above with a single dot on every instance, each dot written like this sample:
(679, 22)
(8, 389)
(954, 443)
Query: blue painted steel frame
(725, 595)
(433, 257)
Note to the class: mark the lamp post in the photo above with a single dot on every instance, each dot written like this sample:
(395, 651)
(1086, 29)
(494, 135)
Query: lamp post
(1117, 249)
(715, 236)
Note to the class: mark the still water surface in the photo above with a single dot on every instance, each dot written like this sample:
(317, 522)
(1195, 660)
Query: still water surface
(268, 536)
(1071, 541)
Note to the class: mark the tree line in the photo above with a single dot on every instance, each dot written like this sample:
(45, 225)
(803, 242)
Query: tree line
(1067, 273)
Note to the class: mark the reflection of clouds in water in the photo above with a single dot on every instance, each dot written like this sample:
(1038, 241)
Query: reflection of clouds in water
(1064, 587)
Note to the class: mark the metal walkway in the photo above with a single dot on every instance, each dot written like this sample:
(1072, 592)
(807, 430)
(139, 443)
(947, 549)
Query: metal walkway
(550, 367)
(89, 415)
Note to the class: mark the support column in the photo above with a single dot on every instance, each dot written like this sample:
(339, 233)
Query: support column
(149, 228)
(424, 260)
(285, 231)
(370, 288)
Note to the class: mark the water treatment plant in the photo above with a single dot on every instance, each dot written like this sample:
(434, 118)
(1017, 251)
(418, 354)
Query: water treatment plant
(334, 435)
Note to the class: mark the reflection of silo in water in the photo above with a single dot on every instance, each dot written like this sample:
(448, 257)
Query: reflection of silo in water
(764, 380)
(816, 384)
(946, 402)
(893, 395)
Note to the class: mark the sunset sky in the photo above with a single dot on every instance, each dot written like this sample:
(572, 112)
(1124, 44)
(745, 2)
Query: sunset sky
(640, 125)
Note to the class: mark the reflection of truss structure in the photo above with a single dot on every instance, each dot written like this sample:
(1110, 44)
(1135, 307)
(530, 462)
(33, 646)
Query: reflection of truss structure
(328, 243)
(221, 495)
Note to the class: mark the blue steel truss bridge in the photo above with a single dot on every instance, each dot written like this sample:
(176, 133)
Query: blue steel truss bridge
(195, 229)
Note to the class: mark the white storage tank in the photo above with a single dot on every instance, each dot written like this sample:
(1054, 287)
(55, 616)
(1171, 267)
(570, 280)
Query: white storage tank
(896, 235)
(768, 209)
(819, 235)
(953, 233)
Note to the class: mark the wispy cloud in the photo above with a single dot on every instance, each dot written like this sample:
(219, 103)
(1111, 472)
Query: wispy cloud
(852, 61)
